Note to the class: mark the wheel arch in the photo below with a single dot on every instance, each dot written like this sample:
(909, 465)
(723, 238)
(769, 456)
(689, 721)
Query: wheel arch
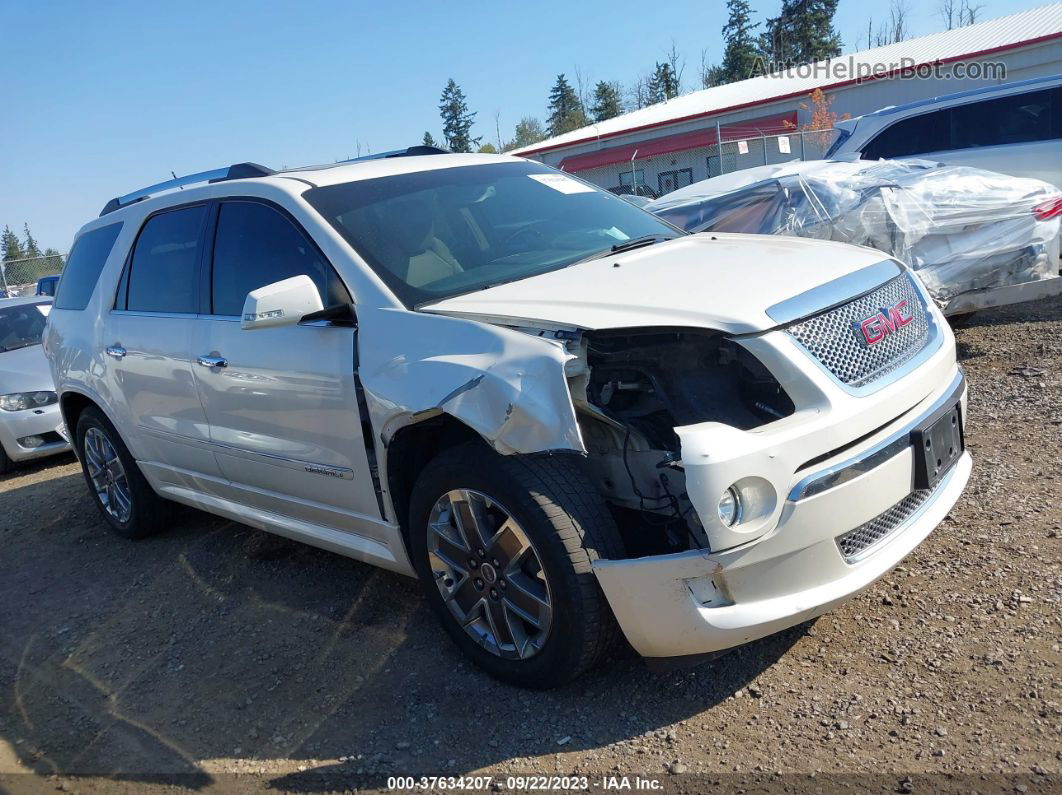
(410, 448)
(73, 402)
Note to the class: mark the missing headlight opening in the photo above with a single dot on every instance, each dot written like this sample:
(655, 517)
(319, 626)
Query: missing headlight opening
(634, 388)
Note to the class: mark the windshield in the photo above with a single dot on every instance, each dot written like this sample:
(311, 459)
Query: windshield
(22, 325)
(434, 234)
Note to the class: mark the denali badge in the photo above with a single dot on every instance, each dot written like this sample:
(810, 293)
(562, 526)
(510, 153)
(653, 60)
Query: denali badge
(883, 323)
(332, 472)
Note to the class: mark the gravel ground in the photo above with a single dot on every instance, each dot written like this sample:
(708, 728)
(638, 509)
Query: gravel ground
(217, 657)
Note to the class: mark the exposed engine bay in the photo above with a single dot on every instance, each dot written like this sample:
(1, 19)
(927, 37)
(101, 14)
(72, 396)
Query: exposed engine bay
(631, 389)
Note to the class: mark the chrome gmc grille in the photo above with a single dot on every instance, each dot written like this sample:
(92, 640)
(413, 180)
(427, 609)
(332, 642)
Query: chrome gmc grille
(855, 542)
(835, 339)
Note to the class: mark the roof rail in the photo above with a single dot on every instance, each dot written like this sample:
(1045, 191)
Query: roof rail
(409, 151)
(235, 171)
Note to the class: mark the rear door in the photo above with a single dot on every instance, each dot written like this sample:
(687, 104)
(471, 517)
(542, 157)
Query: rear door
(147, 342)
(283, 407)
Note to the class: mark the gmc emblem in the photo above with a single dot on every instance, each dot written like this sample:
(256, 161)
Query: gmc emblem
(880, 325)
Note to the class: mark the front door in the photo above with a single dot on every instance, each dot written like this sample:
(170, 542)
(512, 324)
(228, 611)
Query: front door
(282, 403)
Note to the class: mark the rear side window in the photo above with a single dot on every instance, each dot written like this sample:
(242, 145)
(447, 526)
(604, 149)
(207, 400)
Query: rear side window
(83, 266)
(1016, 119)
(254, 246)
(163, 272)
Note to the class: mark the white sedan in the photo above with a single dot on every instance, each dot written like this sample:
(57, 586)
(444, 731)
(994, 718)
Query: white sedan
(30, 423)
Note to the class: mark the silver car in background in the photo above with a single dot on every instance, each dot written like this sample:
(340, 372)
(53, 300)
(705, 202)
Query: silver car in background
(30, 423)
(1013, 128)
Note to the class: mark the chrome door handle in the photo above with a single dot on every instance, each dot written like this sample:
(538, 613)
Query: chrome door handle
(212, 361)
(115, 351)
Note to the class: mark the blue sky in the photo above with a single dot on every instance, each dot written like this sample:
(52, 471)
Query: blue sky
(101, 98)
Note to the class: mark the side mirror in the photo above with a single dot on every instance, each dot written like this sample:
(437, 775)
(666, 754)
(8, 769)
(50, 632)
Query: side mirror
(282, 303)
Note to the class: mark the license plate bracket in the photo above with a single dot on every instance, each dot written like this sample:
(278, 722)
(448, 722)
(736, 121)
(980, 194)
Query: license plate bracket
(938, 443)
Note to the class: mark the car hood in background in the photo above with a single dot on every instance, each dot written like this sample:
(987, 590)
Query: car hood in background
(25, 370)
(725, 282)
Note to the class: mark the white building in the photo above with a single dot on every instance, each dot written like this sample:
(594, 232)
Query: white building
(674, 143)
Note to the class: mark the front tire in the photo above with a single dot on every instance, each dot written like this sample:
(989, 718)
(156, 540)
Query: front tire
(122, 494)
(503, 546)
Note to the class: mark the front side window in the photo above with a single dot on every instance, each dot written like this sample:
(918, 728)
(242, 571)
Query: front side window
(83, 266)
(917, 135)
(164, 269)
(254, 246)
(433, 234)
(22, 325)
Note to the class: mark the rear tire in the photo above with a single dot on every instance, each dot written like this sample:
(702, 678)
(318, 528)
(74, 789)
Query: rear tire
(555, 510)
(121, 492)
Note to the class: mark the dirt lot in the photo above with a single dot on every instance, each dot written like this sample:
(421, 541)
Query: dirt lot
(217, 657)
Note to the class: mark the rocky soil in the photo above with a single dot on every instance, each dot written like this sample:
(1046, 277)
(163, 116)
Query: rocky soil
(215, 657)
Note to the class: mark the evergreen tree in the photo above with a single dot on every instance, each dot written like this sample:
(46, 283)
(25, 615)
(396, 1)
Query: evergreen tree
(528, 131)
(428, 140)
(802, 33)
(663, 85)
(11, 244)
(30, 249)
(606, 101)
(457, 119)
(565, 111)
(740, 55)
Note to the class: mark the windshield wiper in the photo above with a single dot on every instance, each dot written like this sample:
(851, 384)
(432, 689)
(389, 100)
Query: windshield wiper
(19, 346)
(638, 242)
(626, 245)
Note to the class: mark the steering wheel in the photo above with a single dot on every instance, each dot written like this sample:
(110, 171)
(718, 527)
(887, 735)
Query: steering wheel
(524, 230)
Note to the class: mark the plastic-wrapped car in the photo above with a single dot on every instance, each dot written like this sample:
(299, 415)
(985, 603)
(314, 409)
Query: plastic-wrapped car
(976, 238)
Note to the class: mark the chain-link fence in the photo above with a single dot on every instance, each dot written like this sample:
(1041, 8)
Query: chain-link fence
(659, 174)
(20, 276)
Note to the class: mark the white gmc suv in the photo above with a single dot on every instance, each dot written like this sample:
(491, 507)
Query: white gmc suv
(560, 413)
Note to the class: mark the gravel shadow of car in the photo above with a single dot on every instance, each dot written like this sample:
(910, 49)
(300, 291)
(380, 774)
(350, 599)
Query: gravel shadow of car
(215, 648)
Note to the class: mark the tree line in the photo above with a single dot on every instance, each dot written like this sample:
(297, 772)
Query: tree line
(803, 32)
(25, 247)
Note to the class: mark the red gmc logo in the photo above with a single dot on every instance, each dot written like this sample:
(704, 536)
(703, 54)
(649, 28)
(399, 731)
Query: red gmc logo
(880, 325)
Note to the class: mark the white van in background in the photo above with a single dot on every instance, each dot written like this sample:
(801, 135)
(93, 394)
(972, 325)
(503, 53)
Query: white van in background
(1013, 128)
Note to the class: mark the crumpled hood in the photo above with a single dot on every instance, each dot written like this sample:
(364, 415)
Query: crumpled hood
(719, 281)
(25, 370)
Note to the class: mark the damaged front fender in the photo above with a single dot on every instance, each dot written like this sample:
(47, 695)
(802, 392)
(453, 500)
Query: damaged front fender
(506, 385)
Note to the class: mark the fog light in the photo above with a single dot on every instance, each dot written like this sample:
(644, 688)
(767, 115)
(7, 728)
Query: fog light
(31, 441)
(730, 507)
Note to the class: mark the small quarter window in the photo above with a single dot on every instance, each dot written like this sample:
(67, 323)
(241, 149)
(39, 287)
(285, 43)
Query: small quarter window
(83, 266)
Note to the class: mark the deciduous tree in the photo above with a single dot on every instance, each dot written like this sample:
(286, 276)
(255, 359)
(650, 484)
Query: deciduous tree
(528, 131)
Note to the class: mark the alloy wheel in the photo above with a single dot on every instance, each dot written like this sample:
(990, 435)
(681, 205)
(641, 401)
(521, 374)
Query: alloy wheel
(108, 476)
(489, 574)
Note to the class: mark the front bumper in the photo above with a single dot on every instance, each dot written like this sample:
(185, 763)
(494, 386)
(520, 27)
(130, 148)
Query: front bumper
(697, 602)
(790, 566)
(46, 422)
